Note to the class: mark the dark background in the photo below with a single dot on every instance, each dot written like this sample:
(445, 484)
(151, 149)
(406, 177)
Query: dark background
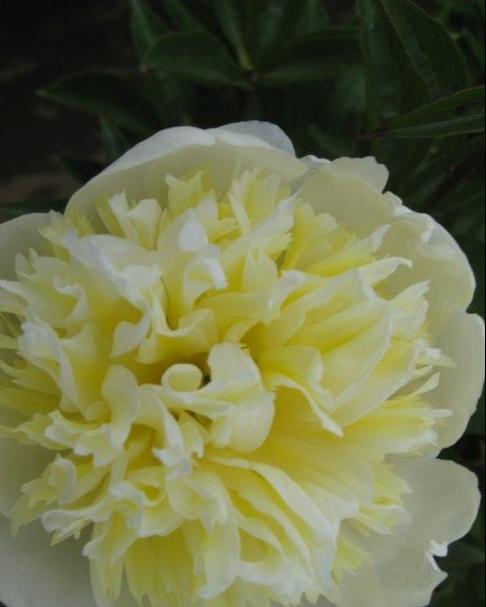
(80, 82)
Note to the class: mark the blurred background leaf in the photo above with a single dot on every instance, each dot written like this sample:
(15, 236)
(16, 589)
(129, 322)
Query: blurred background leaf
(457, 114)
(106, 95)
(398, 79)
(196, 56)
(146, 26)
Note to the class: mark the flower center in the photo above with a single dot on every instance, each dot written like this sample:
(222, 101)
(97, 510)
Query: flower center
(217, 379)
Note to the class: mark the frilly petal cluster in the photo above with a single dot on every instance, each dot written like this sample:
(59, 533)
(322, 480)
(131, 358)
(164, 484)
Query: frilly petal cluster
(225, 375)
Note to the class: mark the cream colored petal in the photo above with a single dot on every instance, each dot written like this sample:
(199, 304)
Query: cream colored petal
(443, 504)
(435, 255)
(266, 131)
(393, 372)
(34, 574)
(435, 483)
(367, 169)
(460, 386)
(141, 171)
(219, 560)
(300, 368)
(17, 236)
(162, 143)
(350, 199)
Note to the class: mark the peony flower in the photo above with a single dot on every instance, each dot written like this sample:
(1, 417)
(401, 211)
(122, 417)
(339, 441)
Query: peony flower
(225, 376)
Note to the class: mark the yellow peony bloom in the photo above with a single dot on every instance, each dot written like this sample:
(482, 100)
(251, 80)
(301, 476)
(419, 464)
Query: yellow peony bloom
(225, 374)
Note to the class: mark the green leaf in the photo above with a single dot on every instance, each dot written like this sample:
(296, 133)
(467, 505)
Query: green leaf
(106, 95)
(146, 26)
(195, 56)
(468, 193)
(231, 16)
(458, 114)
(314, 57)
(472, 9)
(255, 28)
(432, 52)
(331, 145)
(340, 120)
(382, 78)
(410, 58)
(287, 20)
(303, 17)
(168, 97)
(392, 88)
(418, 188)
(163, 91)
(476, 48)
(113, 139)
(181, 16)
(344, 110)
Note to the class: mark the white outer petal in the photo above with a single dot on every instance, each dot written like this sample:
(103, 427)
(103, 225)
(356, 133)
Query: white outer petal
(436, 256)
(460, 387)
(349, 191)
(367, 169)
(266, 131)
(142, 170)
(17, 236)
(34, 574)
(443, 505)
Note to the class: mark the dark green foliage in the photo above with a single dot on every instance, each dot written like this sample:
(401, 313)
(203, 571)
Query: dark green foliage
(107, 95)
(146, 26)
(399, 79)
(457, 114)
(312, 58)
(181, 16)
(114, 141)
(196, 56)
(429, 49)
